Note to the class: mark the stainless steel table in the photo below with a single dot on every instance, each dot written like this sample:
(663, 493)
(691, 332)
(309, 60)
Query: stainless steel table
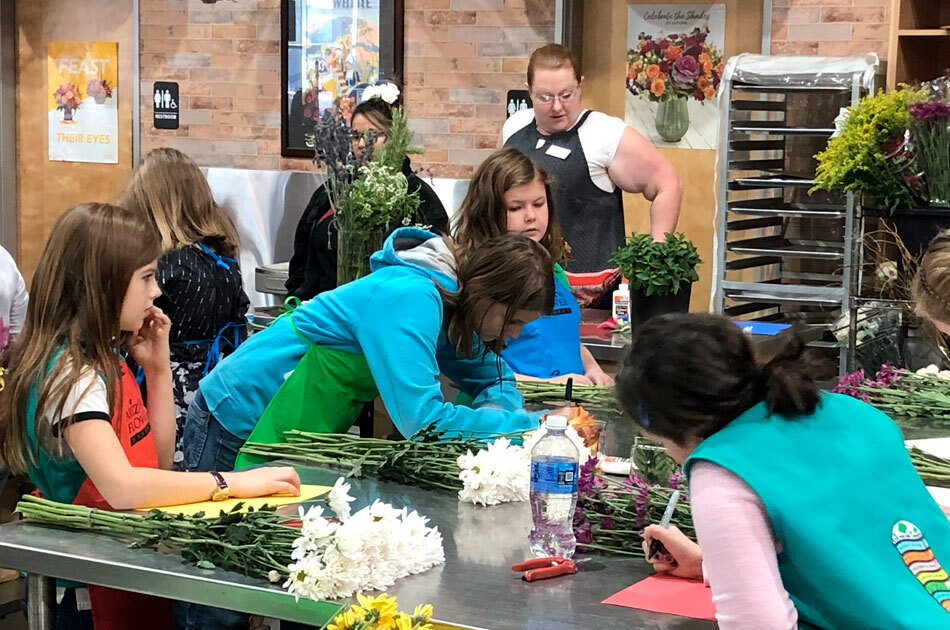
(474, 589)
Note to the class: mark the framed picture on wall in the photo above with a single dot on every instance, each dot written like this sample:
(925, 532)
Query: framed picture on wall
(331, 51)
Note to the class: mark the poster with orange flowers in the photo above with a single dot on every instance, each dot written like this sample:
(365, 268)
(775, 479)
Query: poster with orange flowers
(82, 83)
(674, 67)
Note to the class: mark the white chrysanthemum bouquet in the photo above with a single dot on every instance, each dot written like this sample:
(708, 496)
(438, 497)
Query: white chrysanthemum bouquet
(368, 550)
(501, 472)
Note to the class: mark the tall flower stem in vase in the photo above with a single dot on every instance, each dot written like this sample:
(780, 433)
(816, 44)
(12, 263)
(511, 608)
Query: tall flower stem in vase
(354, 249)
(368, 190)
(931, 129)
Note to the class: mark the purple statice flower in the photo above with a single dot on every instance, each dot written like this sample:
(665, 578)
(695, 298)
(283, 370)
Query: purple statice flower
(931, 111)
(640, 505)
(849, 383)
(887, 375)
(686, 69)
(587, 480)
(583, 532)
(607, 523)
(675, 480)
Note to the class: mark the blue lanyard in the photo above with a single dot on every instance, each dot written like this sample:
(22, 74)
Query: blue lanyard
(219, 260)
(214, 352)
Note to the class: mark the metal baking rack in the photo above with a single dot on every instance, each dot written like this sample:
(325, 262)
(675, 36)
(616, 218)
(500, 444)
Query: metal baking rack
(782, 253)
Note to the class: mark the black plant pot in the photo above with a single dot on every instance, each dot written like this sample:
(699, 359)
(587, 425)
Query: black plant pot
(917, 226)
(643, 307)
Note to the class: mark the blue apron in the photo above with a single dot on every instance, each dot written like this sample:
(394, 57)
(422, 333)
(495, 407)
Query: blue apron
(549, 346)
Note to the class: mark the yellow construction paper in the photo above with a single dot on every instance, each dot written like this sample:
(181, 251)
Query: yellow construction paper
(212, 509)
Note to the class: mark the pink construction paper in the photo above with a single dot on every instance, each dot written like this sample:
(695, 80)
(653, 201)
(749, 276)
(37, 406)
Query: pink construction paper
(670, 595)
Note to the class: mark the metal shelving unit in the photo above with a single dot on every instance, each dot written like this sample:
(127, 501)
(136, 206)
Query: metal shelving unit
(782, 254)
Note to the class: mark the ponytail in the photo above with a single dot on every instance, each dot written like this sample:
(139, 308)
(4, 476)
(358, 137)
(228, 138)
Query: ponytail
(688, 375)
(787, 383)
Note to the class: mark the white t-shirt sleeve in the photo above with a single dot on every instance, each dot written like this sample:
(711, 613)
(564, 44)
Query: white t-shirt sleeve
(18, 308)
(86, 400)
(518, 121)
(13, 296)
(600, 136)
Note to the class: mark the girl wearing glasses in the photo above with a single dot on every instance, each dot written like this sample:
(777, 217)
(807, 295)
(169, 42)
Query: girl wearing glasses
(313, 265)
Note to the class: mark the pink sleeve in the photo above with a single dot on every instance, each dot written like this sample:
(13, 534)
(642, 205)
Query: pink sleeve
(739, 555)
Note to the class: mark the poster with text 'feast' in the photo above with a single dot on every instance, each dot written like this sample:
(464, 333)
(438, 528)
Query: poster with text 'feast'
(82, 79)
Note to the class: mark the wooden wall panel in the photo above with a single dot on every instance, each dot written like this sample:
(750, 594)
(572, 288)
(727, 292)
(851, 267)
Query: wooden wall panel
(605, 58)
(47, 188)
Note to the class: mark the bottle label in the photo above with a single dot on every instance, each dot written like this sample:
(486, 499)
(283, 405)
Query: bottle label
(554, 477)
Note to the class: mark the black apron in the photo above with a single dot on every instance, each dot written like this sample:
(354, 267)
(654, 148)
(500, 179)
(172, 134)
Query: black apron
(591, 218)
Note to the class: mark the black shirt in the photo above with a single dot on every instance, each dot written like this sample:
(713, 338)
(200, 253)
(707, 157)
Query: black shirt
(312, 268)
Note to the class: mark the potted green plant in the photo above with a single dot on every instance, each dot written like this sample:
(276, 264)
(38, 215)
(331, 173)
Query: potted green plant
(660, 274)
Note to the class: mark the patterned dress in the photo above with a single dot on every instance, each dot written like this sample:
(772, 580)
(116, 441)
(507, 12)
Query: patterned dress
(203, 296)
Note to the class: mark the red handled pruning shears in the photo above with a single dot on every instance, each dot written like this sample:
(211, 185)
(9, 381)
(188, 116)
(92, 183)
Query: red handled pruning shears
(543, 568)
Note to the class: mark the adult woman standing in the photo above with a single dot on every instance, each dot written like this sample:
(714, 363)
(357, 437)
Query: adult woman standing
(313, 265)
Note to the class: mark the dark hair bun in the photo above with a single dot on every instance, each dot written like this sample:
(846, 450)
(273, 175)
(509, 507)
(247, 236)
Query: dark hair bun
(788, 384)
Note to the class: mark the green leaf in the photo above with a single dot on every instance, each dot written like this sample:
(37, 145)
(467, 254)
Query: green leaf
(204, 564)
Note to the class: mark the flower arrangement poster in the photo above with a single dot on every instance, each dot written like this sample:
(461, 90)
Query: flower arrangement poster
(677, 24)
(82, 79)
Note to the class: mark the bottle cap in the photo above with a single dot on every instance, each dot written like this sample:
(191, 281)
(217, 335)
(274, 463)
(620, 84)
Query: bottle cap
(556, 422)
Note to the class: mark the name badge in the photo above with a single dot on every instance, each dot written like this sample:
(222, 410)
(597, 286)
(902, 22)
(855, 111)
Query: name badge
(540, 144)
(559, 152)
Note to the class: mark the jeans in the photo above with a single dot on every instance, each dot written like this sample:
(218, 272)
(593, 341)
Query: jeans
(207, 446)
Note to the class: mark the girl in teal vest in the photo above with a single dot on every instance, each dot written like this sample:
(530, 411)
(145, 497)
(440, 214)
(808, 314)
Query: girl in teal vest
(511, 194)
(807, 508)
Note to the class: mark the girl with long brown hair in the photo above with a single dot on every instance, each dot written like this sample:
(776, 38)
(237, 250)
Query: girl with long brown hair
(198, 272)
(427, 308)
(509, 193)
(72, 416)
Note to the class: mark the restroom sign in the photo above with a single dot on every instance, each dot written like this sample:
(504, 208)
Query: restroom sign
(165, 105)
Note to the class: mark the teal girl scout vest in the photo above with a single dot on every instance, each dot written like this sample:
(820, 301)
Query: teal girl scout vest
(861, 539)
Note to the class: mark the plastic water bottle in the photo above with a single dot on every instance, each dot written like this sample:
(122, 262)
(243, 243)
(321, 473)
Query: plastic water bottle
(554, 463)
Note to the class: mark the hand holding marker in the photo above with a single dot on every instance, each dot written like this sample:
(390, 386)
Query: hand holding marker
(655, 545)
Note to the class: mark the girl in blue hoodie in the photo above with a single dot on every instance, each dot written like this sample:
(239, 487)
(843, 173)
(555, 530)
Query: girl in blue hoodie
(427, 308)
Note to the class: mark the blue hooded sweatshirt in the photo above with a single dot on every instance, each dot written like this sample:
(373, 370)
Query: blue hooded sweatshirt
(394, 317)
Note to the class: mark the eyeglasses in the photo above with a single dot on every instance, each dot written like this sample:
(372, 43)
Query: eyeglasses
(372, 134)
(564, 97)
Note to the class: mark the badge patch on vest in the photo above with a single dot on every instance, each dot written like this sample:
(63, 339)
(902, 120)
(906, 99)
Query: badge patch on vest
(920, 560)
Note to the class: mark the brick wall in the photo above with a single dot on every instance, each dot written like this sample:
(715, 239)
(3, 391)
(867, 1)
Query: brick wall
(830, 27)
(461, 56)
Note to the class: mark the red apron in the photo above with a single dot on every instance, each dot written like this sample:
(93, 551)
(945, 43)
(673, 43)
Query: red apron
(113, 609)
